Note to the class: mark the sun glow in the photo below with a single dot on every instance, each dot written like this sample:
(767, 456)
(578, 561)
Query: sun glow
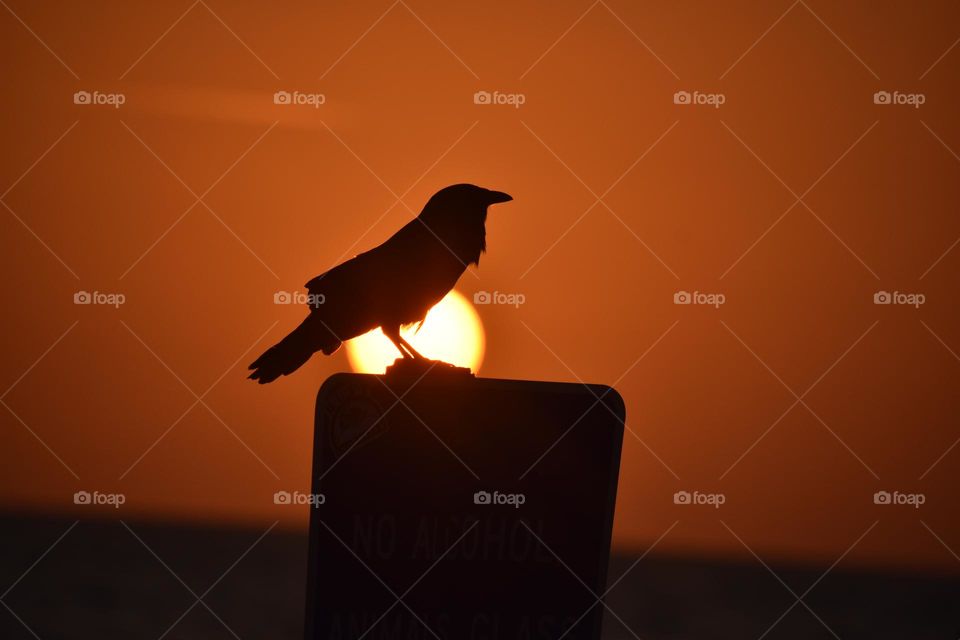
(452, 332)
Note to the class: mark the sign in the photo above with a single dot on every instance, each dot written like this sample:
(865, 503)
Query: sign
(461, 508)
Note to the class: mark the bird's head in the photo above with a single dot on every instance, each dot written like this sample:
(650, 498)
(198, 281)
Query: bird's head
(462, 202)
(457, 216)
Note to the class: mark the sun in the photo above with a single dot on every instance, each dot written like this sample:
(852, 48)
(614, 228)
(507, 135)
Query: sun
(452, 332)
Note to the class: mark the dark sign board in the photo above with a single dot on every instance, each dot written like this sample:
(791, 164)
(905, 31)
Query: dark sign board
(461, 508)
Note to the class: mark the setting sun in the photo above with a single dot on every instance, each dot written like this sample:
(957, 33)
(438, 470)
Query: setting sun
(452, 332)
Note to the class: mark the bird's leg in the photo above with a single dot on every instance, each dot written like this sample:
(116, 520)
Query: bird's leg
(406, 351)
(413, 352)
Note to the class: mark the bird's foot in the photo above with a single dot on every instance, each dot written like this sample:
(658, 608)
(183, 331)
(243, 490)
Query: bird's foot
(421, 366)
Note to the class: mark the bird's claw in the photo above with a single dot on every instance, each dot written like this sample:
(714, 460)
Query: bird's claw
(421, 366)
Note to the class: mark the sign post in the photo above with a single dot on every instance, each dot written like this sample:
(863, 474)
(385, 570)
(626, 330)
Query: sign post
(461, 508)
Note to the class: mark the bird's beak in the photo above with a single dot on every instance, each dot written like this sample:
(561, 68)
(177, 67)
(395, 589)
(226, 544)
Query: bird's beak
(493, 197)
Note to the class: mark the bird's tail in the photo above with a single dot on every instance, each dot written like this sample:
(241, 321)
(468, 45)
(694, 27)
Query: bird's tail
(292, 352)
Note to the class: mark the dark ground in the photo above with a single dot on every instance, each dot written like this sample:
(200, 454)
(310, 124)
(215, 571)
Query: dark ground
(100, 581)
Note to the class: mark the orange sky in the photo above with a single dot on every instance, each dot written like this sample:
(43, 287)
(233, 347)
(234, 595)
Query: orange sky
(797, 199)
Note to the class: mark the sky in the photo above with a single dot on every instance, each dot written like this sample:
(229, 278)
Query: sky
(790, 170)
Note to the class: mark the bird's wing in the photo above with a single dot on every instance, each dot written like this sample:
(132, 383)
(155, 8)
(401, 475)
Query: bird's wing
(394, 283)
(352, 278)
(344, 281)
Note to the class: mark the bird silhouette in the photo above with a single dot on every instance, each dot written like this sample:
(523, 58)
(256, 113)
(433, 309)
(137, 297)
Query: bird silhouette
(392, 285)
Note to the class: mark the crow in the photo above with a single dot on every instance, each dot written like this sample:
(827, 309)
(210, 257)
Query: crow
(391, 285)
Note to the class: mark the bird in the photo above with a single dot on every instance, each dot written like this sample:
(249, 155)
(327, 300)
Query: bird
(391, 285)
